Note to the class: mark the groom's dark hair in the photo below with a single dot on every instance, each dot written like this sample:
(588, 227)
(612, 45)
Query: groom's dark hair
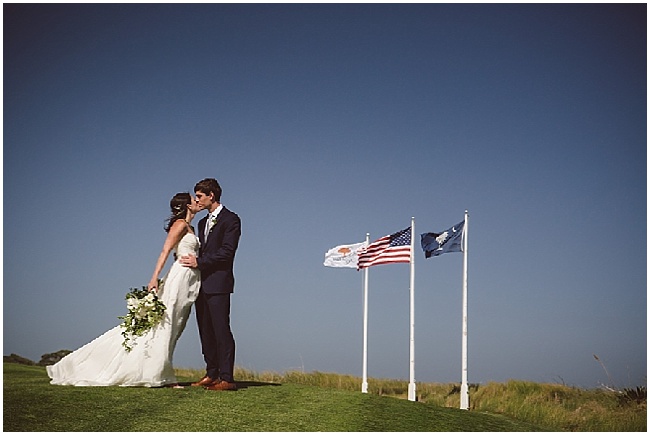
(207, 186)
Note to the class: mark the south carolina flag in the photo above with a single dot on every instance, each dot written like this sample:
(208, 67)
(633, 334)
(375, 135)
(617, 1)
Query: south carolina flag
(434, 244)
(344, 255)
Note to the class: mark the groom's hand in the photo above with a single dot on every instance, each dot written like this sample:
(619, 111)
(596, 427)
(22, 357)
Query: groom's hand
(188, 261)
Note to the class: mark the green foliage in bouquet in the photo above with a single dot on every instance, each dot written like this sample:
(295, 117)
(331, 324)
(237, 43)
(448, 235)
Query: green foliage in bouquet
(145, 311)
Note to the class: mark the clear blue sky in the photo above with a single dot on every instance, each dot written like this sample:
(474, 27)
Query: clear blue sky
(322, 123)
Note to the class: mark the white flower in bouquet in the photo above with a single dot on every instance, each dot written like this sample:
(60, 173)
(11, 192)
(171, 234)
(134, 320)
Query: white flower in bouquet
(141, 313)
(131, 304)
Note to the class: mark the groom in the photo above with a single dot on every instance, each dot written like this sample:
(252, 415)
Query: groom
(219, 234)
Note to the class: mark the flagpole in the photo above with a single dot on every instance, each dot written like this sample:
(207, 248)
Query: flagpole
(364, 381)
(464, 393)
(411, 390)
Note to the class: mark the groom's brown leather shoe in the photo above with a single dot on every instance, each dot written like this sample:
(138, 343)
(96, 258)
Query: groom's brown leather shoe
(222, 386)
(204, 382)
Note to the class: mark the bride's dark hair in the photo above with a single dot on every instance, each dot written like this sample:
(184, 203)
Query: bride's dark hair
(178, 205)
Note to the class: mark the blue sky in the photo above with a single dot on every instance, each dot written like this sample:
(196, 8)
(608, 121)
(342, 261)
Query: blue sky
(322, 123)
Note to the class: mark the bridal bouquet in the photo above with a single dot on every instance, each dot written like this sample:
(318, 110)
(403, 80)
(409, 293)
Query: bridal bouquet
(145, 311)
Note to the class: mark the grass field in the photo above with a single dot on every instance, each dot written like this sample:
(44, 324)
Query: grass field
(32, 404)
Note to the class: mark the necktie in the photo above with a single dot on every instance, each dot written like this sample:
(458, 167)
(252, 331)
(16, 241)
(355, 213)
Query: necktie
(208, 225)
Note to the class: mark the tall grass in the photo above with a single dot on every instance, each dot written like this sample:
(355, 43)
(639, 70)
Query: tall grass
(556, 406)
(562, 407)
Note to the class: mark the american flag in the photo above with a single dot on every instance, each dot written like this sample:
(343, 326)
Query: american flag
(395, 248)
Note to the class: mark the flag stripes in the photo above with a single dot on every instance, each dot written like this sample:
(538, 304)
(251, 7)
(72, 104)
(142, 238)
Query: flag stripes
(394, 248)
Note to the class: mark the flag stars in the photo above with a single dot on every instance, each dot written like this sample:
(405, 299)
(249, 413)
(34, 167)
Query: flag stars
(401, 238)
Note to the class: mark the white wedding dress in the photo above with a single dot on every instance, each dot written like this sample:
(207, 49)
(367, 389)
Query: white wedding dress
(104, 361)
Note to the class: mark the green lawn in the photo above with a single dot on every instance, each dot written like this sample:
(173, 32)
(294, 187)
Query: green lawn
(32, 404)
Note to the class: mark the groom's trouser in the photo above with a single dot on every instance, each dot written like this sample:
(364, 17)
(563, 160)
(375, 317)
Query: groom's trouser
(217, 342)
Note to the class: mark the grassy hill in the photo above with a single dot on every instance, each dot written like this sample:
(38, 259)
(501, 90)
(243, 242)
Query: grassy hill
(32, 404)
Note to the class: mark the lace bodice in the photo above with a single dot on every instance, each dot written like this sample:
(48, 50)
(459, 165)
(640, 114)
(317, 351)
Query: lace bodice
(188, 244)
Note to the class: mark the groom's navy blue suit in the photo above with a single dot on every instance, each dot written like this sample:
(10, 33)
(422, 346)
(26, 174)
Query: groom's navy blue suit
(215, 261)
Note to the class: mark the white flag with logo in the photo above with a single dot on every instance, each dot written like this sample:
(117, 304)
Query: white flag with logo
(344, 255)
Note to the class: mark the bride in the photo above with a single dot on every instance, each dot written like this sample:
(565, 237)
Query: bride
(104, 361)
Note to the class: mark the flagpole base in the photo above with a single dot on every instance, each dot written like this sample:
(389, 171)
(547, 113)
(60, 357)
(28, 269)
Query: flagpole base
(364, 387)
(464, 397)
(412, 396)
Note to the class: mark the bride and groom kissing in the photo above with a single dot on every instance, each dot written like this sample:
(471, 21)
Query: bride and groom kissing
(202, 275)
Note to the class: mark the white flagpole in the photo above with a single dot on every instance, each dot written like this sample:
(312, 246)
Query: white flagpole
(411, 390)
(364, 381)
(464, 393)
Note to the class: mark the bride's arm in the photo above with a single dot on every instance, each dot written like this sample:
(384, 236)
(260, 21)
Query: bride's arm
(176, 232)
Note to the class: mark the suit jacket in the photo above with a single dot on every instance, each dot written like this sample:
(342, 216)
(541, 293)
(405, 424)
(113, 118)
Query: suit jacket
(217, 253)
